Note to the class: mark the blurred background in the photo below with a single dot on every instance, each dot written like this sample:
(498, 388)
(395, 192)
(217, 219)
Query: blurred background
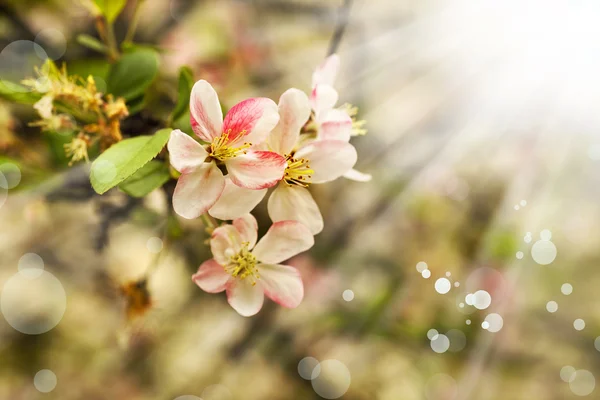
(466, 269)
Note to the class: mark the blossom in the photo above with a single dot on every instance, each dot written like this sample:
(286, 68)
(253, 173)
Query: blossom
(247, 270)
(202, 182)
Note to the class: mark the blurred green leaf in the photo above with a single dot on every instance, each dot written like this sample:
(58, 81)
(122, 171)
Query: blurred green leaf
(17, 93)
(186, 82)
(56, 142)
(111, 8)
(133, 73)
(125, 158)
(91, 43)
(148, 178)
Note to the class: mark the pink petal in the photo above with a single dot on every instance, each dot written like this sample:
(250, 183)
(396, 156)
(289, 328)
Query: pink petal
(224, 243)
(247, 228)
(357, 176)
(283, 240)
(329, 159)
(245, 298)
(335, 125)
(294, 110)
(185, 153)
(206, 115)
(295, 203)
(256, 169)
(251, 120)
(211, 277)
(282, 284)
(236, 201)
(198, 190)
(327, 71)
(322, 99)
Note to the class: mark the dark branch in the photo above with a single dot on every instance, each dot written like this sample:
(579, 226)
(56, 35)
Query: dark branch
(342, 23)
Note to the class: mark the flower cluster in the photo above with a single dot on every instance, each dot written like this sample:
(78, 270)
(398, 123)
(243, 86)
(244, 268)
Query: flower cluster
(70, 103)
(303, 140)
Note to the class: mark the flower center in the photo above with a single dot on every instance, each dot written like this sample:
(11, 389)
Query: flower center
(243, 265)
(298, 171)
(223, 148)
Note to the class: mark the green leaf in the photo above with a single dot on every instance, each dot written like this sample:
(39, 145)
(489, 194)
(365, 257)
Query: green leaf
(125, 158)
(186, 82)
(148, 178)
(111, 8)
(133, 73)
(91, 43)
(17, 93)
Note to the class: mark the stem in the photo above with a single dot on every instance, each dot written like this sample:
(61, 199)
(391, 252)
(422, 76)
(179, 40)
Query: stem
(135, 19)
(209, 223)
(342, 22)
(111, 41)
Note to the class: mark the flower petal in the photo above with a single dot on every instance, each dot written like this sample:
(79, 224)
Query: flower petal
(357, 176)
(282, 284)
(323, 98)
(236, 201)
(294, 110)
(198, 190)
(245, 298)
(247, 228)
(329, 159)
(335, 125)
(327, 71)
(224, 243)
(283, 240)
(185, 153)
(251, 120)
(211, 277)
(295, 203)
(206, 115)
(256, 169)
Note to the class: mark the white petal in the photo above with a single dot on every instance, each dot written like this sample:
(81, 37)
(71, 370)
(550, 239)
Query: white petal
(236, 201)
(211, 277)
(247, 228)
(327, 71)
(357, 176)
(335, 125)
(322, 99)
(283, 240)
(295, 203)
(294, 110)
(246, 299)
(224, 243)
(256, 169)
(198, 191)
(185, 153)
(281, 283)
(206, 115)
(251, 120)
(329, 159)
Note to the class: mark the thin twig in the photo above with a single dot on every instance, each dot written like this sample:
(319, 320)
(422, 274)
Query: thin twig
(342, 23)
(135, 19)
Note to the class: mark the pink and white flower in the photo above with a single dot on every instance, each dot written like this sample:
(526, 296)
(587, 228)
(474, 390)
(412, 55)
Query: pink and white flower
(202, 182)
(247, 270)
(308, 161)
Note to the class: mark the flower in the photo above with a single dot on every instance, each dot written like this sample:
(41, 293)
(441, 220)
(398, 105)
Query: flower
(247, 271)
(202, 182)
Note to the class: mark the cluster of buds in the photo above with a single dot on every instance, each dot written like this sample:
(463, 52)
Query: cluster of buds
(74, 104)
(289, 146)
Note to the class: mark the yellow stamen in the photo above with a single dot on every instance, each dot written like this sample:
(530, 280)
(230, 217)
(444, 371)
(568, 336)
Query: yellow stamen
(243, 265)
(223, 148)
(297, 172)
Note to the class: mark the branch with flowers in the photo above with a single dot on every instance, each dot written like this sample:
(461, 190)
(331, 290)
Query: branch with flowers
(224, 166)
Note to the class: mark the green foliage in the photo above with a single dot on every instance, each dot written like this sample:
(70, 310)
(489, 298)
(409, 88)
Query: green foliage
(111, 8)
(17, 93)
(148, 178)
(91, 43)
(125, 158)
(133, 73)
(186, 82)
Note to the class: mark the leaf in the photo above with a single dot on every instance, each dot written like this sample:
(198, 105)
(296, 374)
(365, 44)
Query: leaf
(111, 8)
(148, 178)
(91, 43)
(125, 158)
(18, 93)
(133, 73)
(186, 82)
